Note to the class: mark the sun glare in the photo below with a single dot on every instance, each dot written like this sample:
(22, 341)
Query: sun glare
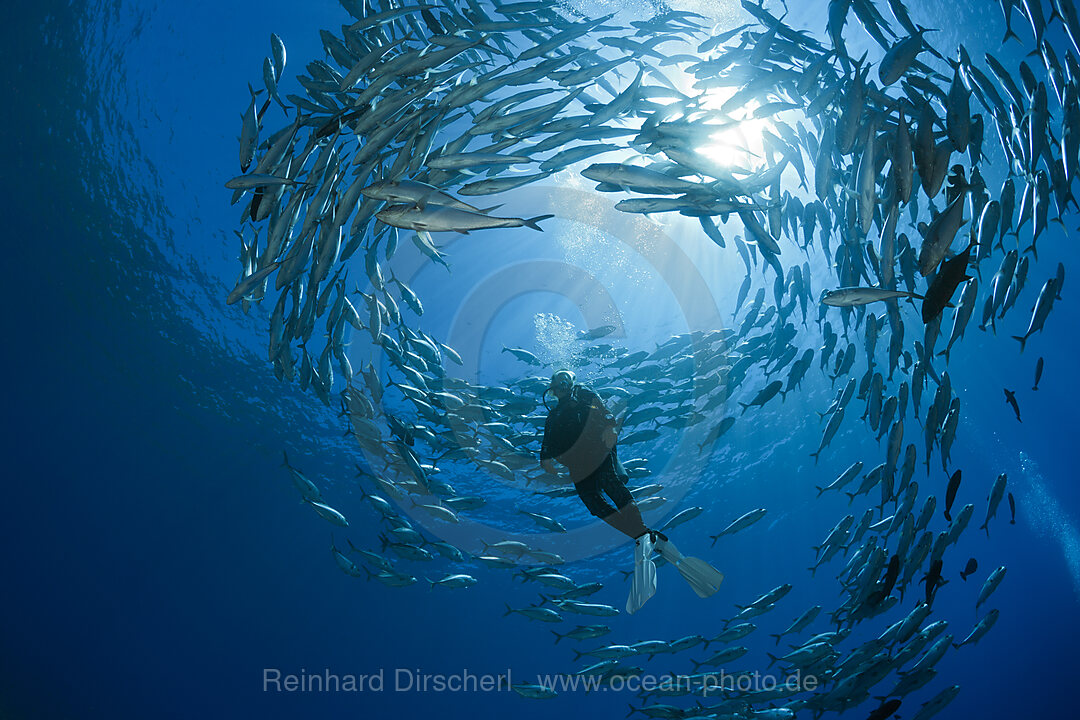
(741, 145)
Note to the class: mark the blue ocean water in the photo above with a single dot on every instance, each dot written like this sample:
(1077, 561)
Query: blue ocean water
(158, 559)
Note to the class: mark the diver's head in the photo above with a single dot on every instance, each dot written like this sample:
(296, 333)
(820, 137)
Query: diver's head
(561, 384)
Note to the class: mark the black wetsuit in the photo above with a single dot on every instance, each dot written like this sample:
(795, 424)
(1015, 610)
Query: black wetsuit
(574, 436)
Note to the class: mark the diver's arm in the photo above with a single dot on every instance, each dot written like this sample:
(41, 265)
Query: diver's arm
(547, 463)
(602, 416)
(597, 404)
(610, 437)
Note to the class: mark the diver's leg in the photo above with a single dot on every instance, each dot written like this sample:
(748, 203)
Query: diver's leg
(628, 518)
(628, 521)
(588, 489)
(615, 485)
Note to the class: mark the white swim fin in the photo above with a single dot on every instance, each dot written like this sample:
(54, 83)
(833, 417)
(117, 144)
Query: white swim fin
(702, 577)
(643, 585)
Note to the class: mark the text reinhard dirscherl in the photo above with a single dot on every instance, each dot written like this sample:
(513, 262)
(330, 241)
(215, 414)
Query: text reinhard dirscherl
(416, 680)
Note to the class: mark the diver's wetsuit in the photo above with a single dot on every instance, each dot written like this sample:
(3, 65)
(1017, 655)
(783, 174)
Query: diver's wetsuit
(574, 436)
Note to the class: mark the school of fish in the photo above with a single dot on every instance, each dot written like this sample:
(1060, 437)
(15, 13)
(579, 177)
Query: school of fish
(879, 165)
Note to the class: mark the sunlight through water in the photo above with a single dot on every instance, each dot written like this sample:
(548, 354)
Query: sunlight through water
(740, 145)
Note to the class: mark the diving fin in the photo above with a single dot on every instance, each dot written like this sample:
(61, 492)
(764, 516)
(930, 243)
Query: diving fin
(643, 585)
(703, 578)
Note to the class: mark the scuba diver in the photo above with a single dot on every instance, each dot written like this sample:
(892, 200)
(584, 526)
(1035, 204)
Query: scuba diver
(581, 434)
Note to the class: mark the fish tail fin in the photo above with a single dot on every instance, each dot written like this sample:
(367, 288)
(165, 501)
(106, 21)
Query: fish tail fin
(508, 609)
(777, 636)
(1008, 34)
(558, 637)
(772, 658)
(820, 490)
(1021, 340)
(534, 222)
(714, 539)
(285, 464)
(745, 407)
